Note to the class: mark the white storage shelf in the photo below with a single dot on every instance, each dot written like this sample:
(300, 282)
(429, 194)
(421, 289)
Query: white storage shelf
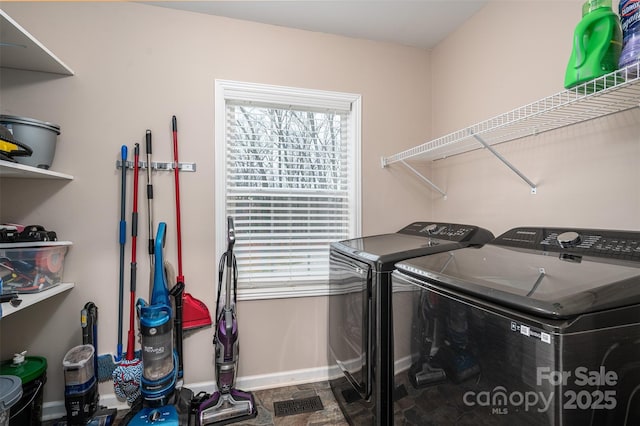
(21, 171)
(20, 50)
(609, 94)
(33, 298)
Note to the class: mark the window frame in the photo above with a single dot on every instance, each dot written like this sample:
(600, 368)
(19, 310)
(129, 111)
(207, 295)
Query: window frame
(285, 96)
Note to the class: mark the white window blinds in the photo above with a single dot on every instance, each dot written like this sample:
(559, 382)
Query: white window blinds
(287, 189)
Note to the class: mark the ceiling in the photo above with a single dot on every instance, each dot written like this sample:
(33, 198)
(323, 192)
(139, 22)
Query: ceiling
(417, 23)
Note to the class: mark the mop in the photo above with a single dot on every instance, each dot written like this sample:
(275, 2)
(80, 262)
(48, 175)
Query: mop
(227, 404)
(123, 239)
(106, 363)
(126, 376)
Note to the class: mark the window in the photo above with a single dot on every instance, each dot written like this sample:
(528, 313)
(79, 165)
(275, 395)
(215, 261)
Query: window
(288, 172)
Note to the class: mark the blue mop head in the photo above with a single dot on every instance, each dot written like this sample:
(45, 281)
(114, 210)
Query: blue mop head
(106, 366)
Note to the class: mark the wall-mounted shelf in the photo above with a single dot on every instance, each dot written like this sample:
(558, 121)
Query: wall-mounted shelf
(609, 94)
(33, 298)
(20, 50)
(21, 171)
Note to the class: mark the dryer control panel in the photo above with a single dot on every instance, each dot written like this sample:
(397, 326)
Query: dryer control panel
(447, 231)
(614, 244)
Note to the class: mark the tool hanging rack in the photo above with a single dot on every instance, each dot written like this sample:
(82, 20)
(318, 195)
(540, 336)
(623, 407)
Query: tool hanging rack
(166, 166)
(614, 92)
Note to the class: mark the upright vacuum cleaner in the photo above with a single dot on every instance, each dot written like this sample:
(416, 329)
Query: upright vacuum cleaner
(227, 404)
(160, 362)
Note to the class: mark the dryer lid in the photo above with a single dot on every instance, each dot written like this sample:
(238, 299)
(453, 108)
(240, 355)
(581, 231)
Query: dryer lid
(391, 248)
(415, 239)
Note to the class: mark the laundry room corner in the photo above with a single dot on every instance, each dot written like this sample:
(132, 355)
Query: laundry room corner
(580, 173)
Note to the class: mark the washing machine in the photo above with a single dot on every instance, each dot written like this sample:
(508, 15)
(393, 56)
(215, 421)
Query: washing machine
(360, 334)
(539, 327)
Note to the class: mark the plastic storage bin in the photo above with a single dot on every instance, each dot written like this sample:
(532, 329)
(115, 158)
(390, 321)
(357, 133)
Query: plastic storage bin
(32, 267)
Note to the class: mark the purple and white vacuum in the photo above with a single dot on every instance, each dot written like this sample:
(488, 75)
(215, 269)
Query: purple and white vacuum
(227, 404)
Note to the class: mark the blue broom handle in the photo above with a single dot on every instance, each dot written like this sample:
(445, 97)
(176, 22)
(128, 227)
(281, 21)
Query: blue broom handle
(123, 239)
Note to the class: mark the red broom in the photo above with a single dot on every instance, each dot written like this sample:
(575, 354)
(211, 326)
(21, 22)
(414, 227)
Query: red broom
(195, 313)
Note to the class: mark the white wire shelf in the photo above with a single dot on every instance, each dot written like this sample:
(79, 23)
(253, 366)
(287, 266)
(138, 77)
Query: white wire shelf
(609, 94)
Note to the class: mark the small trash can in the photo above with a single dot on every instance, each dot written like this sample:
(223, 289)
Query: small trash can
(32, 371)
(10, 394)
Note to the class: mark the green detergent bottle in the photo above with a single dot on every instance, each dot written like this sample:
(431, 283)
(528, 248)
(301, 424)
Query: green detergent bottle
(597, 43)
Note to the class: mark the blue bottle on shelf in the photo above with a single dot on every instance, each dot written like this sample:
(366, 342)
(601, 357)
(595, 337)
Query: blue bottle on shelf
(630, 20)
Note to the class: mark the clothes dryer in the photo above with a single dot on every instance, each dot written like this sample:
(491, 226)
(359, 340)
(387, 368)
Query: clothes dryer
(539, 327)
(360, 334)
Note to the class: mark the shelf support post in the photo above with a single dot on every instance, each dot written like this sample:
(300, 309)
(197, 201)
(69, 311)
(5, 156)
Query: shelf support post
(417, 173)
(506, 162)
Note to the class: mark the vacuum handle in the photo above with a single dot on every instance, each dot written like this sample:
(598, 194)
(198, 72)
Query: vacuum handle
(231, 234)
(86, 327)
(231, 240)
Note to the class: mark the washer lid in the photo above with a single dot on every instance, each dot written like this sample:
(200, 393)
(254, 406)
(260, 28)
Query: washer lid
(555, 283)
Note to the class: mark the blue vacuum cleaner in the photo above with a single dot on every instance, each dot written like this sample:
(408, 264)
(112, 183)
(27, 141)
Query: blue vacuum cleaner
(160, 362)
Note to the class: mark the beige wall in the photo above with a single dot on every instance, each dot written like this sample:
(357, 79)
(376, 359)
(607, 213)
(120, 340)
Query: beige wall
(508, 55)
(136, 66)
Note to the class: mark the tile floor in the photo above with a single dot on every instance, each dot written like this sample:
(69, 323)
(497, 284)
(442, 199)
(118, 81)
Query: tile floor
(331, 415)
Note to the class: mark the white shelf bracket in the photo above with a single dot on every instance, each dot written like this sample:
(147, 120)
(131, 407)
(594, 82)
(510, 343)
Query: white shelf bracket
(506, 163)
(417, 173)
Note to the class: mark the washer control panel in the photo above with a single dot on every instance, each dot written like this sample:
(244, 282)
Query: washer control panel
(442, 231)
(624, 245)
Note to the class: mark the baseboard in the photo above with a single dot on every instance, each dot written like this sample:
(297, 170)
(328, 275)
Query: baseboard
(55, 409)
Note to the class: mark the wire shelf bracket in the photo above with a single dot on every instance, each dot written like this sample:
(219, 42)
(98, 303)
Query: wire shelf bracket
(513, 168)
(424, 178)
